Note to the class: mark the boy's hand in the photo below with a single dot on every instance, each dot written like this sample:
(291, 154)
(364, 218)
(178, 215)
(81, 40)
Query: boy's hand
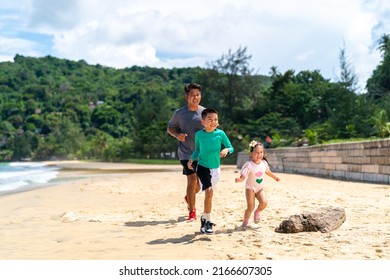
(189, 164)
(224, 152)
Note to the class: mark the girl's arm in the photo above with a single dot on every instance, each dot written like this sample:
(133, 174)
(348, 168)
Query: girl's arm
(273, 176)
(240, 179)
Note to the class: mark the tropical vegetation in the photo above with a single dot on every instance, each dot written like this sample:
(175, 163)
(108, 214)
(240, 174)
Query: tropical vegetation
(53, 108)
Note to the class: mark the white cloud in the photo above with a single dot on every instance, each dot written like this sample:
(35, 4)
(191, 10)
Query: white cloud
(19, 46)
(299, 35)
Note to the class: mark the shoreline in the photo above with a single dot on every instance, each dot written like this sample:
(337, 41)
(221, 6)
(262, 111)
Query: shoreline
(137, 212)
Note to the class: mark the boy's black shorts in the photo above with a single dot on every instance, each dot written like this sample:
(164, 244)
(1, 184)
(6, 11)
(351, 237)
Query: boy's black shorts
(204, 175)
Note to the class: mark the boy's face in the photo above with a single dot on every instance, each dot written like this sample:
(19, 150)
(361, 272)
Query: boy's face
(210, 122)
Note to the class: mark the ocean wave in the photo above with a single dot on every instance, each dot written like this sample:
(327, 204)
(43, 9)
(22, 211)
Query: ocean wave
(20, 176)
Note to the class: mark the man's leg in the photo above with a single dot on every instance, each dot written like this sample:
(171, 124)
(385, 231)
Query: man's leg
(192, 190)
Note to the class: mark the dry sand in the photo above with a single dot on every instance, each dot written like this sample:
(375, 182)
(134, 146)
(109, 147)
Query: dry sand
(137, 212)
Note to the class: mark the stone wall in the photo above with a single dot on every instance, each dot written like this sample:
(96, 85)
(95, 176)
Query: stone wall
(366, 161)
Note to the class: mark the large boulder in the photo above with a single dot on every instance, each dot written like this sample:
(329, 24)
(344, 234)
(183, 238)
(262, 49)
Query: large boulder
(324, 219)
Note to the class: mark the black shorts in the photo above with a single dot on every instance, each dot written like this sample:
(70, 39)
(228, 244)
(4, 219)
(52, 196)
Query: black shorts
(187, 171)
(204, 175)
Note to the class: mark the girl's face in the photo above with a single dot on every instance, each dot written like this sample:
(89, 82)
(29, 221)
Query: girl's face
(257, 153)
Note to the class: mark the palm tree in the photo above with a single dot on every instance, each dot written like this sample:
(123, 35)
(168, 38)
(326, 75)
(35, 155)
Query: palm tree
(384, 44)
(381, 123)
(378, 85)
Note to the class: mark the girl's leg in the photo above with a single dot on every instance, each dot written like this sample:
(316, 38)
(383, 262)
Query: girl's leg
(250, 204)
(262, 198)
(263, 201)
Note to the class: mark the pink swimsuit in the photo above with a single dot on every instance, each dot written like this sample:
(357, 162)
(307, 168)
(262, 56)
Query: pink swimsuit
(255, 174)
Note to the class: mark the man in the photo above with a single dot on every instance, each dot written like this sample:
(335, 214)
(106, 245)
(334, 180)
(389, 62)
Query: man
(185, 122)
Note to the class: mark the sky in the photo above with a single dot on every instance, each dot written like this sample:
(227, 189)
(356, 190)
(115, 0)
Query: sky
(294, 35)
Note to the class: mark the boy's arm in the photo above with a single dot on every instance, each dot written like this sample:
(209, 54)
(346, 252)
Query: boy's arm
(195, 153)
(228, 146)
(189, 164)
(224, 152)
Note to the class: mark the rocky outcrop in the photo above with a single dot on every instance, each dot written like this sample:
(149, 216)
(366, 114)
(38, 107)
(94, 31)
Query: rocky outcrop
(324, 219)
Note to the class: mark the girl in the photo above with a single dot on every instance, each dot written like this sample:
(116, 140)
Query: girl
(254, 169)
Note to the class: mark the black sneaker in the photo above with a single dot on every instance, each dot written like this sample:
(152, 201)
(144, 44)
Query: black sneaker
(209, 227)
(202, 225)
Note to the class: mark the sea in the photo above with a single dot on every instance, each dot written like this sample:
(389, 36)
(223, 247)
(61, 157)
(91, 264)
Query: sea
(24, 176)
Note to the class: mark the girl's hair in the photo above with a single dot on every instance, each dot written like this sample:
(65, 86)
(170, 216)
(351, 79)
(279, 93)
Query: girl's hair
(264, 154)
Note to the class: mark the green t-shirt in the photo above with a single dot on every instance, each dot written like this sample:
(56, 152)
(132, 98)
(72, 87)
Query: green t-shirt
(208, 145)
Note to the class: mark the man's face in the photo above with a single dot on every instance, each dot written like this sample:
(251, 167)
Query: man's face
(193, 97)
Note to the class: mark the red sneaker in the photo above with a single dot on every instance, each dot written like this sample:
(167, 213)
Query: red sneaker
(191, 216)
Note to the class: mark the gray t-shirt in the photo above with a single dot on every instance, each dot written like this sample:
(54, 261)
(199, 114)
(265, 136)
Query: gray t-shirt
(189, 122)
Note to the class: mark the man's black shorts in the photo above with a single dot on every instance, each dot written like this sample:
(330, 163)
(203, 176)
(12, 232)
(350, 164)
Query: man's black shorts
(187, 171)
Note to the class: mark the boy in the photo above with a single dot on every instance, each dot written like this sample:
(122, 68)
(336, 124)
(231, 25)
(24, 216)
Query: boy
(208, 144)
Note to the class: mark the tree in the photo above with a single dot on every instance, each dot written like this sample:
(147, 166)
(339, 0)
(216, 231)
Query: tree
(21, 147)
(348, 78)
(384, 45)
(378, 85)
(106, 118)
(382, 124)
(230, 81)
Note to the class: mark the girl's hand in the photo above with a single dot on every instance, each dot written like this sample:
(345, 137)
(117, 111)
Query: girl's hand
(239, 179)
(277, 179)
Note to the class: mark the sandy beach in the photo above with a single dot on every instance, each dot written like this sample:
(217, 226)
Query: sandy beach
(136, 212)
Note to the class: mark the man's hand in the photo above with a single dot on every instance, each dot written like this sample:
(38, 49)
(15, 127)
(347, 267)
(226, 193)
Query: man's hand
(181, 137)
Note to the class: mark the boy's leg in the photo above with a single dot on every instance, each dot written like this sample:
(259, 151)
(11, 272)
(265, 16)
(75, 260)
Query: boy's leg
(208, 200)
(206, 175)
(206, 217)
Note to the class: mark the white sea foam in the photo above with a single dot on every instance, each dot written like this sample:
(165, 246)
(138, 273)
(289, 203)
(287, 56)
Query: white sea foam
(20, 176)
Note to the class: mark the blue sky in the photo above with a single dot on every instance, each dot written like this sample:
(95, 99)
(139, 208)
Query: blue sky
(298, 35)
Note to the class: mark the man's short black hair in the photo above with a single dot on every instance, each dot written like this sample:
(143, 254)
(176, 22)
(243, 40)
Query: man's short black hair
(190, 86)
